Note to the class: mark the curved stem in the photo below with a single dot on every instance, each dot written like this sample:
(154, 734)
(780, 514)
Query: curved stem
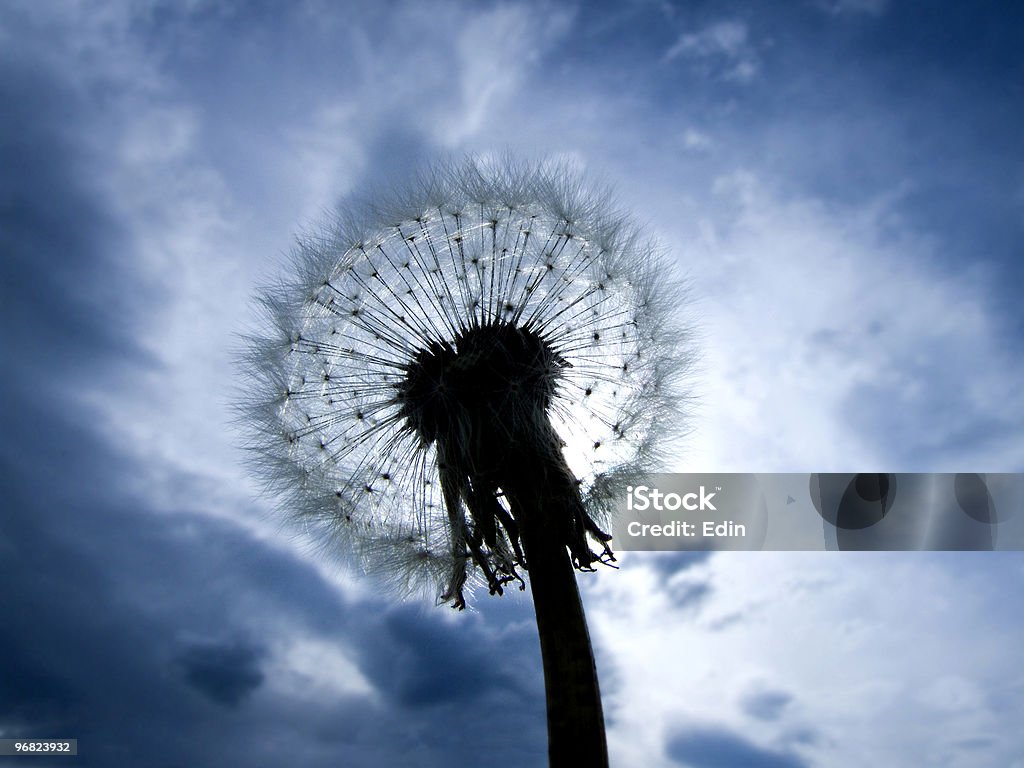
(576, 733)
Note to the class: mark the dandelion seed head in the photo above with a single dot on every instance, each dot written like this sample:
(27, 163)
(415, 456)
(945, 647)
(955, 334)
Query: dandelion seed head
(427, 337)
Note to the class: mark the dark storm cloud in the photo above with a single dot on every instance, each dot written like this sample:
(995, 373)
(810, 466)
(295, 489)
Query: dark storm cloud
(718, 748)
(58, 284)
(226, 672)
(97, 587)
(101, 595)
(413, 661)
(109, 607)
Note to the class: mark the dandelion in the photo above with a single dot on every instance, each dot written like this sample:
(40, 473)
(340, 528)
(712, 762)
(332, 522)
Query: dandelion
(456, 383)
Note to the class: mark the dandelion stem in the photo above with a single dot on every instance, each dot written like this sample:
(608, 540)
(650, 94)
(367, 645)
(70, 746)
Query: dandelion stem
(576, 733)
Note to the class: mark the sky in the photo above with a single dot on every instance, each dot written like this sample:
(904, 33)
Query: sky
(841, 183)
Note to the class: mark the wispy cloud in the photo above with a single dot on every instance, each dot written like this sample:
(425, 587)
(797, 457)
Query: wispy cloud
(857, 374)
(496, 49)
(697, 141)
(853, 7)
(721, 49)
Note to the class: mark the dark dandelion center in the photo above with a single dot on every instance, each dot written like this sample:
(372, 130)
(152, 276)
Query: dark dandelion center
(491, 382)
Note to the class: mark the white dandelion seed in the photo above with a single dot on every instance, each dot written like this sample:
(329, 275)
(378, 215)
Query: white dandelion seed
(495, 329)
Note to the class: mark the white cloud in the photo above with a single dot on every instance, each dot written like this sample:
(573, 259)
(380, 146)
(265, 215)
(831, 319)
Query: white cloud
(311, 669)
(496, 49)
(721, 49)
(836, 342)
(696, 141)
(325, 154)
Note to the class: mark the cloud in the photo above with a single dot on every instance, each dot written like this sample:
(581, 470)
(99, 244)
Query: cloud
(496, 49)
(721, 49)
(226, 672)
(853, 7)
(314, 668)
(670, 564)
(412, 660)
(59, 283)
(695, 141)
(717, 748)
(855, 373)
(689, 594)
(766, 705)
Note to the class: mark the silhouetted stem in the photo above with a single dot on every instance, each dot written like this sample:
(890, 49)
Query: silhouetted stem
(576, 734)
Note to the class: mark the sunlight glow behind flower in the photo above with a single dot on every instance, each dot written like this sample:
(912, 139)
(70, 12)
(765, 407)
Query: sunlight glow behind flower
(514, 287)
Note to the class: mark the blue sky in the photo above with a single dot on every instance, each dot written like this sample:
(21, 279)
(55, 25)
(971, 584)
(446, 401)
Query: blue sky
(842, 183)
